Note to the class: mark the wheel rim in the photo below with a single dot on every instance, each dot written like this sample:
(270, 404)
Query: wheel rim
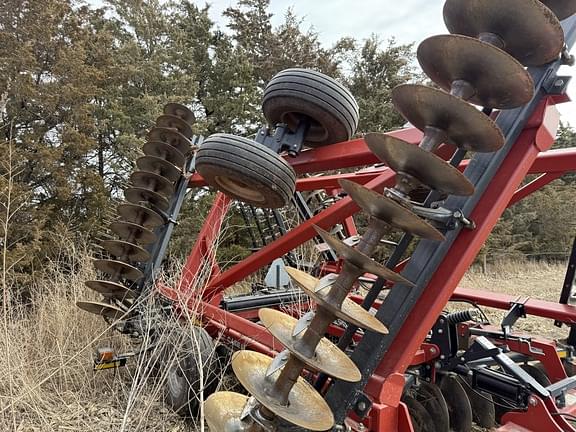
(239, 189)
(176, 380)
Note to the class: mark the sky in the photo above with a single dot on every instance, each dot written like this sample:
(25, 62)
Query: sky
(406, 20)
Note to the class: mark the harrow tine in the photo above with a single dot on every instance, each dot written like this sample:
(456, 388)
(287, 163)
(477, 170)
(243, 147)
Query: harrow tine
(525, 29)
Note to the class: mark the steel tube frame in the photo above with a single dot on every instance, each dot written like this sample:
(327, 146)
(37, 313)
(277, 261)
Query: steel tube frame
(436, 268)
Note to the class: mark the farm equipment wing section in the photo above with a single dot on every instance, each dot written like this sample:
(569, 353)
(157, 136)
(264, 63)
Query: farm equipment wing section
(387, 358)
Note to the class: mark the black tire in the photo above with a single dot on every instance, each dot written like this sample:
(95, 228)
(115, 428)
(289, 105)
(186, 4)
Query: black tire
(184, 356)
(293, 93)
(246, 170)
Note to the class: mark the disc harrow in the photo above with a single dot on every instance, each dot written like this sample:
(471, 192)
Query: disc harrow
(149, 197)
(482, 64)
(401, 362)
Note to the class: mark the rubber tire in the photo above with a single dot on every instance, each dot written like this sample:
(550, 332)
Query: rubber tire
(331, 107)
(183, 377)
(265, 179)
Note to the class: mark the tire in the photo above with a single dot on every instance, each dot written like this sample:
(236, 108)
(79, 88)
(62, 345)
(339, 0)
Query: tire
(246, 170)
(293, 93)
(184, 356)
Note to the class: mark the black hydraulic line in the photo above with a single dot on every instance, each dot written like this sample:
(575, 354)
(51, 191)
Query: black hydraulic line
(429, 254)
(570, 277)
(260, 301)
(248, 225)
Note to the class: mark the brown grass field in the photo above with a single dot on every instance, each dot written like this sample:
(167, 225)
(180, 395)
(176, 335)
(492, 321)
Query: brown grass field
(46, 377)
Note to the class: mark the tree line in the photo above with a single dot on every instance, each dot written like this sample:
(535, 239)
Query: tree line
(81, 85)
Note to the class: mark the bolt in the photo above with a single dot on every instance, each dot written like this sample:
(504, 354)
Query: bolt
(532, 401)
(440, 331)
(361, 406)
(559, 83)
(433, 351)
(442, 357)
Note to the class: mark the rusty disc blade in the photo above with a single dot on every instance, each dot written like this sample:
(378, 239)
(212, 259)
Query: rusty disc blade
(180, 111)
(562, 8)
(529, 31)
(420, 418)
(386, 209)
(327, 358)
(306, 408)
(431, 398)
(223, 411)
(458, 404)
(111, 289)
(127, 250)
(464, 125)
(159, 166)
(138, 195)
(102, 309)
(170, 137)
(359, 259)
(151, 181)
(118, 269)
(483, 408)
(499, 80)
(175, 123)
(132, 232)
(424, 166)
(140, 215)
(164, 151)
(349, 311)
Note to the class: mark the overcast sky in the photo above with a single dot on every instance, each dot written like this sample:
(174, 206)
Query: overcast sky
(406, 20)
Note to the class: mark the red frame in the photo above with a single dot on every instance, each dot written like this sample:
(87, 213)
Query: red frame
(529, 155)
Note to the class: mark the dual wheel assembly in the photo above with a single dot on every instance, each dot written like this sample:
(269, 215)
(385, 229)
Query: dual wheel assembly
(482, 62)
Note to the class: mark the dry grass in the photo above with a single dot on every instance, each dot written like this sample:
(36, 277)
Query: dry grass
(46, 377)
(540, 280)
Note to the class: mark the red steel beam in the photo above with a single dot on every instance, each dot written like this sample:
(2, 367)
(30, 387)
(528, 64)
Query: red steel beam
(466, 246)
(302, 233)
(540, 308)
